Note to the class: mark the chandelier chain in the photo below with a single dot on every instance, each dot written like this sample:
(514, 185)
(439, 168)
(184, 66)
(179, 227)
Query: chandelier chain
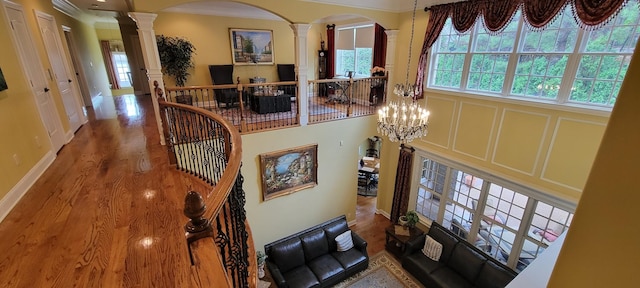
(413, 24)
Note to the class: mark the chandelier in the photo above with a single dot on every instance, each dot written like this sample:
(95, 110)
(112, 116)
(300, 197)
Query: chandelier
(404, 119)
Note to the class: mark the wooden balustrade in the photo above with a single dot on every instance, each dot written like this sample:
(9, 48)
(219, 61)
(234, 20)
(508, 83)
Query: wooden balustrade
(334, 99)
(205, 145)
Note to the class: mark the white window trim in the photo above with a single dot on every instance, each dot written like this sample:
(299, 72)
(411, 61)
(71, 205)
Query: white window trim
(561, 103)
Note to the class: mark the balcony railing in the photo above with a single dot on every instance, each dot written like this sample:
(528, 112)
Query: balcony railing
(205, 145)
(266, 106)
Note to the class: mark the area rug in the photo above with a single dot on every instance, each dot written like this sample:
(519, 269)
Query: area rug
(383, 272)
(316, 109)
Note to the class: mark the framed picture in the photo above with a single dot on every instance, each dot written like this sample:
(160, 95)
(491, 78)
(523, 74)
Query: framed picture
(288, 171)
(3, 83)
(251, 47)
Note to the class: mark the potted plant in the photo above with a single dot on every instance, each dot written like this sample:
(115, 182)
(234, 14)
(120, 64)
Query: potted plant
(176, 58)
(412, 218)
(261, 258)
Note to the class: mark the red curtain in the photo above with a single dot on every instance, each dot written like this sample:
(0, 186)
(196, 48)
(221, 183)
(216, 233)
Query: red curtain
(589, 14)
(108, 63)
(379, 46)
(331, 51)
(402, 189)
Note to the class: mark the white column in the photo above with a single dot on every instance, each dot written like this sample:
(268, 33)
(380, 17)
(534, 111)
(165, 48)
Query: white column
(302, 67)
(392, 39)
(144, 21)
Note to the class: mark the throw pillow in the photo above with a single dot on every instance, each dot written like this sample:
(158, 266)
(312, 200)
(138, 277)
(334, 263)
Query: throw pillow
(344, 241)
(432, 249)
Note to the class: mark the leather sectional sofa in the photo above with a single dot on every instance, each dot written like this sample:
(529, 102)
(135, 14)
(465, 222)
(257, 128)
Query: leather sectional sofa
(460, 265)
(310, 258)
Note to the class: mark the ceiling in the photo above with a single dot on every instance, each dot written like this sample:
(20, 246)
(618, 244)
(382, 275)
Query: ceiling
(107, 10)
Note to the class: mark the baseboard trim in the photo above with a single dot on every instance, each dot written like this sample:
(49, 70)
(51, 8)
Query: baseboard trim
(352, 222)
(69, 135)
(383, 213)
(15, 194)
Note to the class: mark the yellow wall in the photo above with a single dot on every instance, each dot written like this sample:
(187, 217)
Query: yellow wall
(19, 116)
(335, 193)
(601, 248)
(210, 36)
(539, 146)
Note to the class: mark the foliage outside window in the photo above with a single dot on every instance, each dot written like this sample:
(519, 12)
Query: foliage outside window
(511, 224)
(561, 64)
(354, 52)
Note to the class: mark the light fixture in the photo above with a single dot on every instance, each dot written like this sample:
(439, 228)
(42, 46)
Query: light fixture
(404, 120)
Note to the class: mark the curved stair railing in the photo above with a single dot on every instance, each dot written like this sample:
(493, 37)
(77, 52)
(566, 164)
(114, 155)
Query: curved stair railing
(206, 146)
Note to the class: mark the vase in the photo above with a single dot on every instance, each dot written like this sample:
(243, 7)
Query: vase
(403, 221)
(260, 270)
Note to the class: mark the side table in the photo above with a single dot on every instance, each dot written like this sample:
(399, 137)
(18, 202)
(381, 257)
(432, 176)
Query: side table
(396, 243)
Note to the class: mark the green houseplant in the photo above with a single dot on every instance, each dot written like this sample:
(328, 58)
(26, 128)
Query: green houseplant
(409, 220)
(176, 58)
(261, 257)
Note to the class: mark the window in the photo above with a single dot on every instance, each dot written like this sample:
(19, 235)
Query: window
(121, 66)
(561, 64)
(354, 50)
(510, 223)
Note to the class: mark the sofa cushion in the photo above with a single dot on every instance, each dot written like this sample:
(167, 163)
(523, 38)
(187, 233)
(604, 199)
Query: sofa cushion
(301, 276)
(288, 254)
(349, 258)
(466, 262)
(314, 244)
(493, 276)
(326, 268)
(332, 230)
(432, 249)
(448, 241)
(344, 241)
(420, 262)
(446, 277)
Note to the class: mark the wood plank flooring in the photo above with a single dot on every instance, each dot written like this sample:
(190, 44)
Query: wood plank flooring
(108, 211)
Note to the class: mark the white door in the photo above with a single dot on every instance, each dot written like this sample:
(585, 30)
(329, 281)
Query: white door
(35, 74)
(77, 67)
(62, 75)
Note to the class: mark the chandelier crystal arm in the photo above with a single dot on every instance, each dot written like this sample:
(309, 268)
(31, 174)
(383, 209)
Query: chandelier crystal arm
(404, 120)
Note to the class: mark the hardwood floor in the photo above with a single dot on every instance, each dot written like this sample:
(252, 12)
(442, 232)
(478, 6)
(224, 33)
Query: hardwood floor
(108, 211)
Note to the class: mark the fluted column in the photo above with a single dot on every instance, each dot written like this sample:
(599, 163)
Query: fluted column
(302, 66)
(144, 21)
(392, 39)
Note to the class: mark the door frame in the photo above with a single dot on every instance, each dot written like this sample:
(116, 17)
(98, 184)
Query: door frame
(55, 144)
(75, 95)
(81, 78)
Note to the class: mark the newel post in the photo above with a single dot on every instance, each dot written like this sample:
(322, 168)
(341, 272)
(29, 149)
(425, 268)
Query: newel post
(198, 227)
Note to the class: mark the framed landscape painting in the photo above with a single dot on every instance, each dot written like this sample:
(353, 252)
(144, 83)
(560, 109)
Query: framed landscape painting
(251, 47)
(287, 171)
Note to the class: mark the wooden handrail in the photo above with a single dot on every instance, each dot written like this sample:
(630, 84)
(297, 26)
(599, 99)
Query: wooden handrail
(204, 209)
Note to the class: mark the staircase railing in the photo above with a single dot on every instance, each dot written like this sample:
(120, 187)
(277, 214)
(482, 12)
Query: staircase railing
(205, 145)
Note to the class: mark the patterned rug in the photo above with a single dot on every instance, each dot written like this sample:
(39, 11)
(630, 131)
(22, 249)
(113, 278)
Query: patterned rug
(383, 272)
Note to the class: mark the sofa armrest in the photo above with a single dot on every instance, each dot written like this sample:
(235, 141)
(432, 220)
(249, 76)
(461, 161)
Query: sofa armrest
(414, 245)
(359, 243)
(276, 275)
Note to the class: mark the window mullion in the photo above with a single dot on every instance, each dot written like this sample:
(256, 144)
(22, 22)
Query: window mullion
(518, 241)
(467, 57)
(572, 68)
(479, 212)
(513, 59)
(445, 195)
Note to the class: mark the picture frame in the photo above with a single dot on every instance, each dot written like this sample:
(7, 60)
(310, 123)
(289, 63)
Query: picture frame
(251, 47)
(288, 171)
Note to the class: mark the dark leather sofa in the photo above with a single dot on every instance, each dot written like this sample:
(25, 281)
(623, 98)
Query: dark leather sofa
(461, 264)
(309, 258)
